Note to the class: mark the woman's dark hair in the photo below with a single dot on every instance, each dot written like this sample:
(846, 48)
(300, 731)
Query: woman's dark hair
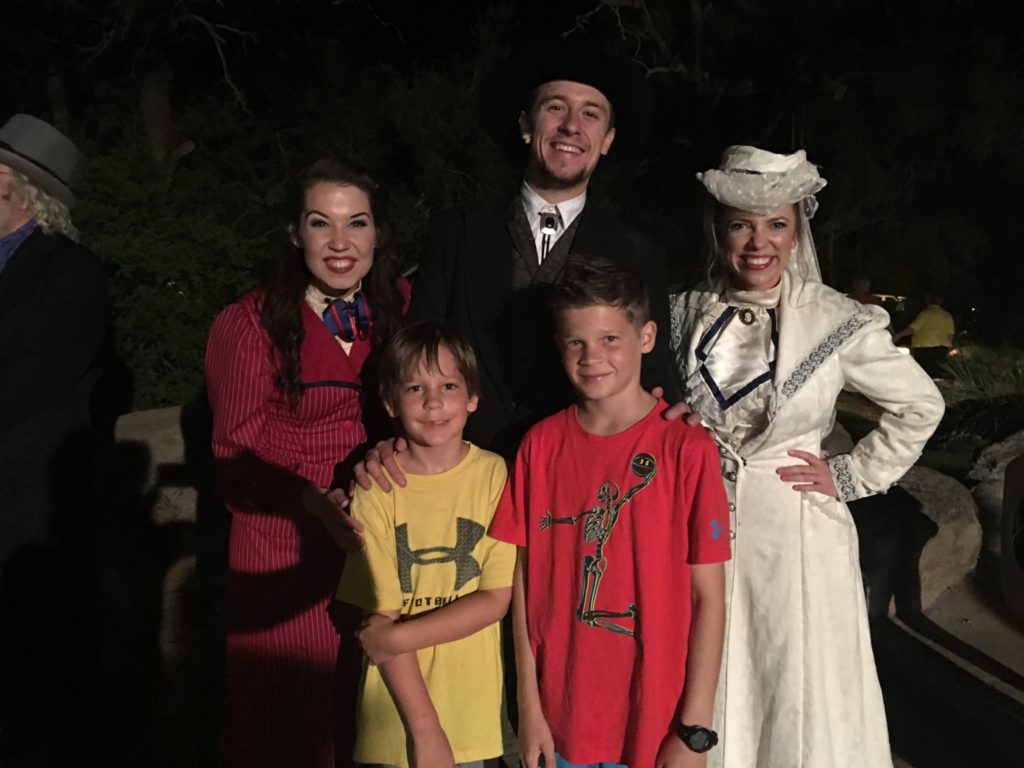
(281, 313)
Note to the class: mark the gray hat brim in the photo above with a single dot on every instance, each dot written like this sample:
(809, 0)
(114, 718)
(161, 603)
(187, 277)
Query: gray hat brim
(38, 174)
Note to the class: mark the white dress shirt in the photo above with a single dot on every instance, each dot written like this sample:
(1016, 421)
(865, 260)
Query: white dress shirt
(534, 205)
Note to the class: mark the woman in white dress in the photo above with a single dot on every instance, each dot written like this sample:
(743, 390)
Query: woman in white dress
(764, 349)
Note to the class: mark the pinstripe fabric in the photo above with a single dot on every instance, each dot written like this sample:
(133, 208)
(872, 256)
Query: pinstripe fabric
(283, 566)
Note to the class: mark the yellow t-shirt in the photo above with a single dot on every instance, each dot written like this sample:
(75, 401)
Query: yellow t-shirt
(933, 327)
(426, 545)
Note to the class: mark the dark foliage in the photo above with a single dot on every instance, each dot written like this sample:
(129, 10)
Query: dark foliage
(194, 115)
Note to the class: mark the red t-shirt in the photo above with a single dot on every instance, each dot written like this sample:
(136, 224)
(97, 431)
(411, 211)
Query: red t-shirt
(610, 524)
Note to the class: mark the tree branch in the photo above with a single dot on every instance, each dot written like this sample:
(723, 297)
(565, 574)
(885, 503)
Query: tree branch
(218, 41)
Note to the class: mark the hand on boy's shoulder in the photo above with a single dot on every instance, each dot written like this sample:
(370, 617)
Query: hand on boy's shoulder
(678, 410)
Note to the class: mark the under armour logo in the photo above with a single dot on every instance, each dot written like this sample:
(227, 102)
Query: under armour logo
(468, 533)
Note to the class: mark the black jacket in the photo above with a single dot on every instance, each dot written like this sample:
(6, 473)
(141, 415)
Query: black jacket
(465, 276)
(53, 324)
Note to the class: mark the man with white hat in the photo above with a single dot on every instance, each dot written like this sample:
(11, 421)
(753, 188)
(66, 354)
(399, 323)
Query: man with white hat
(53, 323)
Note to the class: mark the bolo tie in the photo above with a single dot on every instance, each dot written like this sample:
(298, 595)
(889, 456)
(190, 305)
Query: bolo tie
(550, 221)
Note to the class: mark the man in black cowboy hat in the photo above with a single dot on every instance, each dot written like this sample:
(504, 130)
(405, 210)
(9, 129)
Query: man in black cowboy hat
(52, 328)
(488, 264)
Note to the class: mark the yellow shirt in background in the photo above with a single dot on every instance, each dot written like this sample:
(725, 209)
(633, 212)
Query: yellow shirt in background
(426, 545)
(933, 327)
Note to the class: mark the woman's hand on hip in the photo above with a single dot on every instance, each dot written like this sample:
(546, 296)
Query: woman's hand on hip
(813, 475)
(380, 465)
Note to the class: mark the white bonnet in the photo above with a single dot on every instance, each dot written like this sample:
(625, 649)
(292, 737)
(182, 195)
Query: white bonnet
(758, 181)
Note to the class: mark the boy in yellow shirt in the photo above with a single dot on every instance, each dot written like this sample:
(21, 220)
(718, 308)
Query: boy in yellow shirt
(431, 581)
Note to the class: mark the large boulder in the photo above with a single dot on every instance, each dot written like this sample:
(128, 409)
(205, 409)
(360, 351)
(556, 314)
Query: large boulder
(150, 443)
(952, 552)
(990, 472)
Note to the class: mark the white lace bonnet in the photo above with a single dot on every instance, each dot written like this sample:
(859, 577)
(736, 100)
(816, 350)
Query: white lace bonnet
(758, 181)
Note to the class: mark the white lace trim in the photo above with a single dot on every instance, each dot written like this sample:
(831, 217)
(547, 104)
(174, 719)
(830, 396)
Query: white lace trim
(823, 351)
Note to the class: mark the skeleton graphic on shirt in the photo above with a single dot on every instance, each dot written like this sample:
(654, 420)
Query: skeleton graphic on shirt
(598, 522)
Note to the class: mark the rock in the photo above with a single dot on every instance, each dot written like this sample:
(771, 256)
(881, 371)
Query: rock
(992, 461)
(953, 551)
(990, 471)
(151, 444)
(838, 441)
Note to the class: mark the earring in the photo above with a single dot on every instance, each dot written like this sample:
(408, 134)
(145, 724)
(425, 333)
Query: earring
(526, 138)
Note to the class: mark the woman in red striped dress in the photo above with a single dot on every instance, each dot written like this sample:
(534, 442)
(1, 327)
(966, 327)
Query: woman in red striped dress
(283, 373)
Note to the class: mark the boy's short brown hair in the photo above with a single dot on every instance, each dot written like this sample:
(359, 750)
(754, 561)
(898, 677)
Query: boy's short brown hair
(421, 341)
(589, 282)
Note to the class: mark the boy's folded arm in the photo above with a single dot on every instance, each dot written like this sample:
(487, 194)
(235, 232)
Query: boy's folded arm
(404, 680)
(454, 621)
(707, 633)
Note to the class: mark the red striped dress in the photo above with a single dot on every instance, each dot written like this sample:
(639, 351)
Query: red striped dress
(283, 566)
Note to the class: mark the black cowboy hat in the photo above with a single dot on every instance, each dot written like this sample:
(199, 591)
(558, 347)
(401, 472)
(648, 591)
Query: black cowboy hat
(509, 90)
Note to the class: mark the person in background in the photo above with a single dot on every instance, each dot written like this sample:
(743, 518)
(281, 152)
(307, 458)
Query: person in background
(860, 290)
(763, 350)
(284, 369)
(53, 327)
(931, 335)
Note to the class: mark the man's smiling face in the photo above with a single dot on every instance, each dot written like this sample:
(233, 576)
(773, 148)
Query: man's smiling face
(569, 128)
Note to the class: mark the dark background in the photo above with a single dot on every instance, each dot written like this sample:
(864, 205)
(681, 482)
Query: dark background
(193, 114)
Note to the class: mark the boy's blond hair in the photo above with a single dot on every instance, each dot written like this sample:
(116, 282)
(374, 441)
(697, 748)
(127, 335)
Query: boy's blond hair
(421, 341)
(590, 282)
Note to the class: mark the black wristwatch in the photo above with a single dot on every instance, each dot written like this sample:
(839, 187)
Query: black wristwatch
(696, 737)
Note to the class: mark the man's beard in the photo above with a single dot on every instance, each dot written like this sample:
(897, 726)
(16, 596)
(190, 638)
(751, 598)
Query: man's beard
(551, 181)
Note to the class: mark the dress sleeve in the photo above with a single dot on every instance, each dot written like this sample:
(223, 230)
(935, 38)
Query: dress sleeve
(708, 533)
(873, 366)
(405, 288)
(370, 580)
(240, 385)
(497, 558)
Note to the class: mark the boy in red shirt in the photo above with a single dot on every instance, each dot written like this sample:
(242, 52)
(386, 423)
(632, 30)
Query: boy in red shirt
(621, 519)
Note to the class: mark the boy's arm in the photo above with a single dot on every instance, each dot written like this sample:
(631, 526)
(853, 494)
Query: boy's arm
(703, 661)
(535, 737)
(404, 680)
(381, 640)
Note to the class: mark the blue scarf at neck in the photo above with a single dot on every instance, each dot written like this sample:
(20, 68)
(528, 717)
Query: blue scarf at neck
(10, 242)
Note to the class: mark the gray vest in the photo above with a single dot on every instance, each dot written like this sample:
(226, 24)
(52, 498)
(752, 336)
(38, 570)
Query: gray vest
(527, 271)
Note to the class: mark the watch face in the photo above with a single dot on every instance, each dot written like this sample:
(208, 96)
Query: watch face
(696, 738)
(699, 741)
